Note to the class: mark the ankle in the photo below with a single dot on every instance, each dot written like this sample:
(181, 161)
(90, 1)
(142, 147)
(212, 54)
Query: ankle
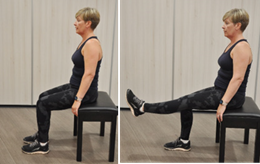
(43, 143)
(142, 108)
(184, 141)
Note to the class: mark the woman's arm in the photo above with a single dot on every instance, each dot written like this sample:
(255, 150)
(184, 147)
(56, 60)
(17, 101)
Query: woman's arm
(242, 57)
(91, 52)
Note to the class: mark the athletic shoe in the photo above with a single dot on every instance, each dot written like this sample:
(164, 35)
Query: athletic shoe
(35, 148)
(134, 103)
(177, 145)
(30, 139)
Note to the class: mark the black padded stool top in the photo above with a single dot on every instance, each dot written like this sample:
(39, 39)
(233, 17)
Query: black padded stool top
(249, 109)
(103, 104)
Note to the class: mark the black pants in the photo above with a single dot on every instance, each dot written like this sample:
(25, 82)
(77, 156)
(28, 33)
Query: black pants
(208, 98)
(58, 98)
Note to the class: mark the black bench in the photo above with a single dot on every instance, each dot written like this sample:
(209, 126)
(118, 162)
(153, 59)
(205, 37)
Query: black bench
(102, 110)
(247, 117)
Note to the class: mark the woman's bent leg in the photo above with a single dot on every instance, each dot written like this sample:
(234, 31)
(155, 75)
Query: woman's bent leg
(55, 101)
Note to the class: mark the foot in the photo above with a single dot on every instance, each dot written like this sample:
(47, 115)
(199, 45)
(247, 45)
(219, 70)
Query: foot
(134, 103)
(35, 148)
(30, 139)
(177, 145)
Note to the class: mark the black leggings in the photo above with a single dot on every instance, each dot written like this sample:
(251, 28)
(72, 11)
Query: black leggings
(208, 98)
(58, 98)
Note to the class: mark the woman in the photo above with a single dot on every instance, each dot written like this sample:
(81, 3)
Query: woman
(229, 88)
(83, 82)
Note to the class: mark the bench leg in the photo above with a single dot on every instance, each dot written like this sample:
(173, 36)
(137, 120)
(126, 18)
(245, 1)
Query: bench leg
(79, 139)
(246, 136)
(102, 128)
(112, 140)
(217, 131)
(257, 144)
(222, 142)
(75, 126)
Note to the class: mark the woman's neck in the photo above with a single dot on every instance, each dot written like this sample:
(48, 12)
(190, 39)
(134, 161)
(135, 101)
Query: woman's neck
(86, 35)
(236, 38)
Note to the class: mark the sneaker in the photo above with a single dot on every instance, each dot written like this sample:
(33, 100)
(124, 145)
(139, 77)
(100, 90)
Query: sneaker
(134, 103)
(177, 145)
(35, 148)
(30, 139)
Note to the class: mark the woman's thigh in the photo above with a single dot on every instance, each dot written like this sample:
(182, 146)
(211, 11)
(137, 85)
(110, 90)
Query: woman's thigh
(65, 99)
(55, 90)
(204, 99)
(58, 100)
(209, 98)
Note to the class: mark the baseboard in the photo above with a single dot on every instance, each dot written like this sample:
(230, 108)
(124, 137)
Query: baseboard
(16, 106)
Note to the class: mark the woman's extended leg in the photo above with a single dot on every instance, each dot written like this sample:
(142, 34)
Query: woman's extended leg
(208, 98)
(204, 99)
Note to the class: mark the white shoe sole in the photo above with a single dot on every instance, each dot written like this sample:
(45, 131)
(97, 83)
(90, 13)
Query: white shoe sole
(36, 152)
(177, 149)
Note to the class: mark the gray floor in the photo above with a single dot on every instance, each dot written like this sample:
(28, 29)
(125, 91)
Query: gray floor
(16, 123)
(141, 139)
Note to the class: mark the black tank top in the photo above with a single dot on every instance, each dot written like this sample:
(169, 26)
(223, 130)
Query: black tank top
(79, 68)
(225, 72)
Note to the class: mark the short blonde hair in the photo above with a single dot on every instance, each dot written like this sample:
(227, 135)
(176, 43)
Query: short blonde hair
(89, 14)
(238, 16)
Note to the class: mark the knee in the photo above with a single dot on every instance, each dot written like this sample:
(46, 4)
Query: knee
(42, 109)
(40, 103)
(41, 95)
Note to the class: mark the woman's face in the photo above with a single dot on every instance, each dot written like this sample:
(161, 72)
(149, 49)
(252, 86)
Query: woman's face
(80, 25)
(228, 28)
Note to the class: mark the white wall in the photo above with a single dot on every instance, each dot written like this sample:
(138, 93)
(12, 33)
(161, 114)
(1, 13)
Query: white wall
(50, 15)
(168, 47)
(199, 41)
(46, 41)
(15, 52)
(257, 86)
(146, 37)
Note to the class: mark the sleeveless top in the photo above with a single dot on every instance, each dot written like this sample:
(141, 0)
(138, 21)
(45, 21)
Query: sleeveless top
(225, 72)
(79, 68)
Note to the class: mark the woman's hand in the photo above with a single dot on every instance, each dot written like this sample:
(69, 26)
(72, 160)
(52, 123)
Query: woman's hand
(75, 107)
(220, 111)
